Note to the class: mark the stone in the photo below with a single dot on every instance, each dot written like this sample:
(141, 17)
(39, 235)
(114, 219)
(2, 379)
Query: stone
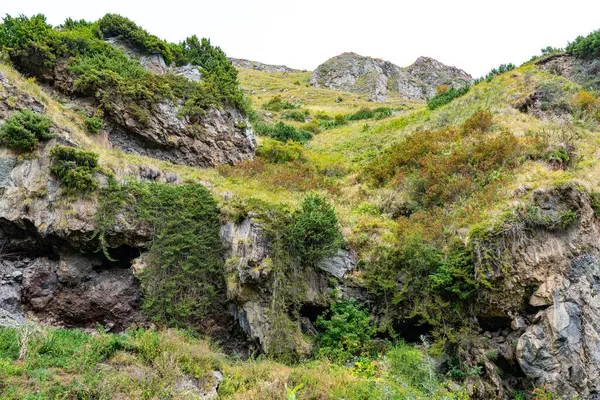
(258, 66)
(377, 78)
(338, 265)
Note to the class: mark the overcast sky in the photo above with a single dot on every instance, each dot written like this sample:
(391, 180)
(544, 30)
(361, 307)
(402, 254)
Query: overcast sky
(473, 35)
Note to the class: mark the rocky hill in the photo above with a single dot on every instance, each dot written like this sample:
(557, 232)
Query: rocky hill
(241, 63)
(151, 248)
(355, 73)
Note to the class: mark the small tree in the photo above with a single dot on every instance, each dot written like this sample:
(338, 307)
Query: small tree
(24, 129)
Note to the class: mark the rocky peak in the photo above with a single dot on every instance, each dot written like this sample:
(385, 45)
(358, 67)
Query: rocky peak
(241, 63)
(378, 78)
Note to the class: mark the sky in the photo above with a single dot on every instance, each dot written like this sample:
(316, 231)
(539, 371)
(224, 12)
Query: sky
(473, 35)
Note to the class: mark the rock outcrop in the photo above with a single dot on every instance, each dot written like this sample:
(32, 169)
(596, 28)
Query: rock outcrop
(377, 78)
(241, 63)
(547, 307)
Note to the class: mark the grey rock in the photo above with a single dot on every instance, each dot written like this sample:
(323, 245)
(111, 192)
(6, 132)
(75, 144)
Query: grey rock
(241, 63)
(189, 71)
(338, 265)
(377, 78)
(10, 320)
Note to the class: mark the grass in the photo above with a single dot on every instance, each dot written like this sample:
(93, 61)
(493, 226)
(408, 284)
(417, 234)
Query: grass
(146, 364)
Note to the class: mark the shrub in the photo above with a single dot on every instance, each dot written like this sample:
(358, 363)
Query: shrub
(552, 97)
(93, 124)
(363, 113)
(346, 331)
(585, 46)
(446, 97)
(277, 104)
(74, 168)
(314, 233)
(480, 122)
(297, 116)
(184, 273)
(284, 133)
(495, 71)
(24, 129)
(279, 153)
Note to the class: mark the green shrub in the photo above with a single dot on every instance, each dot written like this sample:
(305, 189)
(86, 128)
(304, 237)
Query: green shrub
(277, 104)
(446, 97)
(363, 113)
(74, 168)
(346, 331)
(184, 272)
(24, 129)
(114, 25)
(298, 116)
(284, 133)
(93, 124)
(595, 198)
(585, 46)
(279, 153)
(495, 71)
(314, 233)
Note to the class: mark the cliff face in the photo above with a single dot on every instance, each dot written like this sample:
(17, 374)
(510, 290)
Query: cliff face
(377, 78)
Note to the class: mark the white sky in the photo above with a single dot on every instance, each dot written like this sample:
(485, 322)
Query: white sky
(473, 35)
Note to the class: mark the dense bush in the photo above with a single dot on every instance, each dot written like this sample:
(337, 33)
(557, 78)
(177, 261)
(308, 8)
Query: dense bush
(93, 124)
(585, 46)
(24, 129)
(74, 168)
(184, 272)
(346, 331)
(278, 152)
(277, 104)
(108, 74)
(446, 97)
(315, 232)
(298, 116)
(283, 132)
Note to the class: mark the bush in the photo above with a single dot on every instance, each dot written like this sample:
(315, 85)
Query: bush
(74, 168)
(346, 331)
(446, 97)
(284, 133)
(24, 129)
(585, 46)
(480, 122)
(409, 364)
(496, 71)
(277, 104)
(314, 233)
(280, 153)
(93, 124)
(297, 116)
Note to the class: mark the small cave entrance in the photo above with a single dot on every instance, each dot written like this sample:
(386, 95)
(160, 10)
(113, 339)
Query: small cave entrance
(120, 257)
(312, 312)
(412, 330)
(494, 324)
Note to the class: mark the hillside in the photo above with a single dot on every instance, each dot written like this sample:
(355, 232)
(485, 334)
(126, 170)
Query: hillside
(173, 227)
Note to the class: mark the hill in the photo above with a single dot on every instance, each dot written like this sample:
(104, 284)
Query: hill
(357, 250)
(359, 74)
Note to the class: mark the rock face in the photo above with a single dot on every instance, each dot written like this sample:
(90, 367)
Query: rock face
(377, 78)
(241, 63)
(547, 306)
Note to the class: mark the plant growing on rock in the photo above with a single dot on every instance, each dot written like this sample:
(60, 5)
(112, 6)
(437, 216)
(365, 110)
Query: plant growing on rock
(74, 168)
(24, 129)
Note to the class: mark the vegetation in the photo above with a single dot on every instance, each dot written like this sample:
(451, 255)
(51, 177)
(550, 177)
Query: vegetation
(24, 129)
(106, 73)
(585, 46)
(283, 132)
(347, 331)
(74, 168)
(495, 71)
(277, 104)
(446, 96)
(93, 124)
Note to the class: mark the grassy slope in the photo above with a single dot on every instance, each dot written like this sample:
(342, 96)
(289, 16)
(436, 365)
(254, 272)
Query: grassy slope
(346, 149)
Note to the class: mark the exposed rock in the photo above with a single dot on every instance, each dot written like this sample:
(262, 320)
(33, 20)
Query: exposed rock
(355, 73)
(582, 71)
(241, 63)
(187, 387)
(338, 265)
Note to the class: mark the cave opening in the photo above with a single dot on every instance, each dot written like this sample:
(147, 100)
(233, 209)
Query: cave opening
(121, 257)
